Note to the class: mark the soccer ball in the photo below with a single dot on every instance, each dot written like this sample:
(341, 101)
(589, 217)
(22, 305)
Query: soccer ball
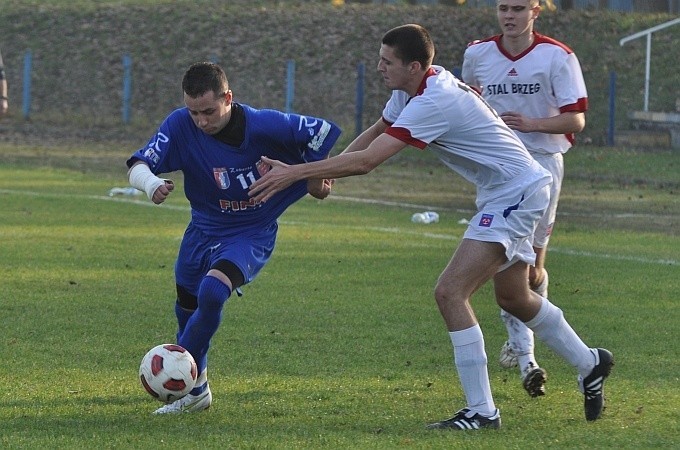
(168, 372)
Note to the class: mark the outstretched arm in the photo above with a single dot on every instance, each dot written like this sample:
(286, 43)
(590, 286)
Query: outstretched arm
(321, 188)
(366, 137)
(352, 161)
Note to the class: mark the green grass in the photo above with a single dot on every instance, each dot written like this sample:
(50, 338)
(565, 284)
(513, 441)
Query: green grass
(338, 342)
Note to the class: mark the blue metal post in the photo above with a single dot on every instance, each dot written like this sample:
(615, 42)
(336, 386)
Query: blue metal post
(361, 69)
(612, 108)
(127, 87)
(290, 85)
(28, 62)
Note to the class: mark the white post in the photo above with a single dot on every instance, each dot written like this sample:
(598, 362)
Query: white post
(647, 70)
(648, 34)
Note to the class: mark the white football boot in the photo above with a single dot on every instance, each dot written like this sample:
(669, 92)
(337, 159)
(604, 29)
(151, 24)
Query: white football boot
(190, 403)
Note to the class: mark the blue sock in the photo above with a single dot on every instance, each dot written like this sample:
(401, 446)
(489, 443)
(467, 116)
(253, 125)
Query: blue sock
(199, 389)
(204, 322)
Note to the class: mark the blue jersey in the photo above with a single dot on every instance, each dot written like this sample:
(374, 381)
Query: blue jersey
(217, 176)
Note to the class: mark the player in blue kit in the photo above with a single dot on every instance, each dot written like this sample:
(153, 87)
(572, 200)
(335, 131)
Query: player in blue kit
(217, 144)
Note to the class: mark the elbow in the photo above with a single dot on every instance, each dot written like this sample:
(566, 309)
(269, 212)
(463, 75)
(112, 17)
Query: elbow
(357, 163)
(580, 126)
(579, 123)
(370, 160)
(365, 167)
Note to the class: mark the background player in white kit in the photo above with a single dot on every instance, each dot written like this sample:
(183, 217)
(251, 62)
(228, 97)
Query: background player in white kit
(535, 83)
(430, 108)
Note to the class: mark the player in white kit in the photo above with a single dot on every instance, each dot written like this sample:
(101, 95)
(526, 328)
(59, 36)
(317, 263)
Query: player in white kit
(431, 109)
(535, 83)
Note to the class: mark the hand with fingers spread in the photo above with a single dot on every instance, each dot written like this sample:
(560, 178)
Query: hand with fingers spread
(278, 177)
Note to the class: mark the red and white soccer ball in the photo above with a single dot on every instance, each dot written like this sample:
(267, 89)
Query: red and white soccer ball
(168, 372)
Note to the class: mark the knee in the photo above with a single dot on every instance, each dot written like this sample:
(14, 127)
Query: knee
(185, 299)
(522, 307)
(445, 295)
(507, 303)
(440, 294)
(212, 294)
(504, 304)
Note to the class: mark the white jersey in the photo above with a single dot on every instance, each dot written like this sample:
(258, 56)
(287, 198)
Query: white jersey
(543, 81)
(468, 136)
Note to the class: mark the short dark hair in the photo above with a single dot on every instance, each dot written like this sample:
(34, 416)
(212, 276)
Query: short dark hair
(203, 77)
(411, 42)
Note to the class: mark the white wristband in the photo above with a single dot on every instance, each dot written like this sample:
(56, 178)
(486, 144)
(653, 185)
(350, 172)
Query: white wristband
(140, 177)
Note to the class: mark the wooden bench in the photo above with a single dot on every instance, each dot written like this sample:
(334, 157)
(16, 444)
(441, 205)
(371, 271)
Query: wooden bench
(667, 122)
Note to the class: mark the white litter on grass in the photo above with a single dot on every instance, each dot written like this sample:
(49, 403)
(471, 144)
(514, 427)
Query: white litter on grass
(124, 191)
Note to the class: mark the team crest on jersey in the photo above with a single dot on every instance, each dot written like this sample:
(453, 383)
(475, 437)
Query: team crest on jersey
(486, 220)
(221, 177)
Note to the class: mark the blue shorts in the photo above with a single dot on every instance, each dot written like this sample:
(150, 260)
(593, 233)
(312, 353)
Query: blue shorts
(198, 252)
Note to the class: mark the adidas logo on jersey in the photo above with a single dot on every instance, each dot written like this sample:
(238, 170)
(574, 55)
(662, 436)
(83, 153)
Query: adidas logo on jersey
(512, 72)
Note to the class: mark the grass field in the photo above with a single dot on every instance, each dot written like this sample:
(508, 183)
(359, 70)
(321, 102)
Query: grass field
(338, 343)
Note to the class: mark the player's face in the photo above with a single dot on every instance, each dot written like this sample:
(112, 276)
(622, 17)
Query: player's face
(516, 17)
(395, 73)
(210, 112)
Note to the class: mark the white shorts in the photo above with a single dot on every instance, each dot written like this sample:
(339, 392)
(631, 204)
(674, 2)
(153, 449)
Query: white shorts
(553, 163)
(510, 218)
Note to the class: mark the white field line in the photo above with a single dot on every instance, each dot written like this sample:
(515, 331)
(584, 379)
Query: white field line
(472, 212)
(142, 201)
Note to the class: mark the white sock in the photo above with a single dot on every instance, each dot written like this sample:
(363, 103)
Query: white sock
(202, 378)
(470, 360)
(551, 327)
(521, 340)
(201, 383)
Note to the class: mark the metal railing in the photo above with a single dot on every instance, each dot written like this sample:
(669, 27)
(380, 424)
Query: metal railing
(648, 34)
(669, 6)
